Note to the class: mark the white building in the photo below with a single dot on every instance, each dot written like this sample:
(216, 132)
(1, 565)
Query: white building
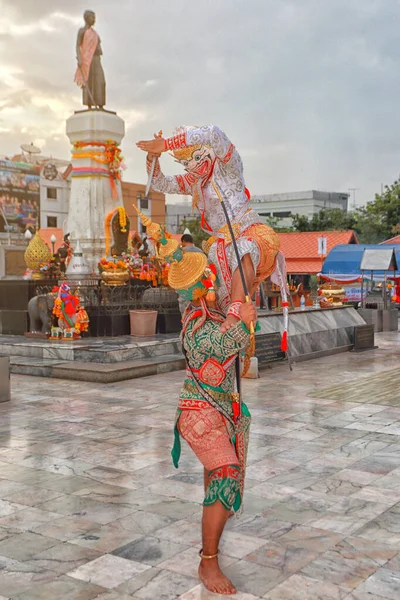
(284, 206)
(176, 213)
(55, 187)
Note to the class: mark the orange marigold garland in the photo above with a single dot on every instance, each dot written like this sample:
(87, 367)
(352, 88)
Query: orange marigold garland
(111, 156)
(107, 225)
(110, 265)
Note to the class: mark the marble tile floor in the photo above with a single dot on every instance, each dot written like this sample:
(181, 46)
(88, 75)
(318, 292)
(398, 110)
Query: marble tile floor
(92, 508)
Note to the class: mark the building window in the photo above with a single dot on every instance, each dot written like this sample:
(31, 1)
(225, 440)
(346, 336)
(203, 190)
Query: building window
(283, 214)
(144, 203)
(51, 221)
(52, 193)
(265, 214)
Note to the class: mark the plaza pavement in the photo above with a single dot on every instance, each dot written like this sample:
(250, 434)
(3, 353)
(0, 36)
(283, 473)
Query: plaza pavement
(91, 506)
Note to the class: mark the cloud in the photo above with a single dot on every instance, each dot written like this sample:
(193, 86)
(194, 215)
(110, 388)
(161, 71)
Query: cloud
(307, 89)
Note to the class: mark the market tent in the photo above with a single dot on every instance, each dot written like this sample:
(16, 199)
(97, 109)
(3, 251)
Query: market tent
(376, 259)
(343, 262)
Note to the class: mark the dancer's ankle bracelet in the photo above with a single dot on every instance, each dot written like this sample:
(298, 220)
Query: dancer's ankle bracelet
(207, 556)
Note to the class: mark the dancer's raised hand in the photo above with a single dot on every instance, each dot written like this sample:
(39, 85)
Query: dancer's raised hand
(154, 147)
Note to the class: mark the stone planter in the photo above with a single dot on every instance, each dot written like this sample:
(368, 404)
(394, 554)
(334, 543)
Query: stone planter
(143, 322)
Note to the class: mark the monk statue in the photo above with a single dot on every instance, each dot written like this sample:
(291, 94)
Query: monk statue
(89, 74)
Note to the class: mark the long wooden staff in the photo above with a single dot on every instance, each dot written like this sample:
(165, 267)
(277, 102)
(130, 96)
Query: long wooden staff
(236, 249)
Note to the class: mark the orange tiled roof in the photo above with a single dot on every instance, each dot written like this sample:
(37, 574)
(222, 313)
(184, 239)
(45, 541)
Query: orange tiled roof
(305, 244)
(301, 248)
(304, 267)
(394, 240)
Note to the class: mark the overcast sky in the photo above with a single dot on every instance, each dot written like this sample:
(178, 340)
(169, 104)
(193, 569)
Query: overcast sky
(308, 90)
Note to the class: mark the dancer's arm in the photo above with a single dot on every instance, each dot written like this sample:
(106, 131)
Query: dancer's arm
(167, 184)
(209, 135)
(237, 338)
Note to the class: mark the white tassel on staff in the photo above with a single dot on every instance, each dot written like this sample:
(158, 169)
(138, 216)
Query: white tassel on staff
(279, 277)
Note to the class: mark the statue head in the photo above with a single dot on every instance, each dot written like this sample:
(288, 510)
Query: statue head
(90, 17)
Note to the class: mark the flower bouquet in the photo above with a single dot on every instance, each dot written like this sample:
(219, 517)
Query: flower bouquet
(134, 264)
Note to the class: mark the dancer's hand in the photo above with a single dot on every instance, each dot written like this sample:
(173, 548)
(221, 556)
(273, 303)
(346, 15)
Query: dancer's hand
(248, 313)
(154, 147)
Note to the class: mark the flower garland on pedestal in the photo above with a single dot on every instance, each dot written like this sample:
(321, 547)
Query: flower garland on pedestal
(113, 272)
(107, 225)
(110, 156)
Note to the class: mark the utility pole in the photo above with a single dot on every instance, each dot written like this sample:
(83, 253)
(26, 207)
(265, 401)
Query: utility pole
(354, 190)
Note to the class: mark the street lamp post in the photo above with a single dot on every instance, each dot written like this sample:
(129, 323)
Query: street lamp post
(53, 240)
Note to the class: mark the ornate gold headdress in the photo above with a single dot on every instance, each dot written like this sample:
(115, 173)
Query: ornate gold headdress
(153, 230)
(184, 153)
(187, 268)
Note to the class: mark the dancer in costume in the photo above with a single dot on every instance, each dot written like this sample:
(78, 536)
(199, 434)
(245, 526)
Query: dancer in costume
(211, 416)
(214, 169)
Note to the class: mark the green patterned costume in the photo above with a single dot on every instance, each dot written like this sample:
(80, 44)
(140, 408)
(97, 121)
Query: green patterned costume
(211, 416)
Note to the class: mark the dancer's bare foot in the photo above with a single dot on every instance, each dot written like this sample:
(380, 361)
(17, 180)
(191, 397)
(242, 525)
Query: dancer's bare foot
(229, 322)
(213, 578)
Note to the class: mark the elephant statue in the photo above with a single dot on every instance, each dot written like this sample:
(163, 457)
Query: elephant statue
(40, 313)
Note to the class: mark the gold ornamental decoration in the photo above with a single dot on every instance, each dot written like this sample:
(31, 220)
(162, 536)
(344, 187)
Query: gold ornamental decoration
(36, 253)
(153, 230)
(114, 278)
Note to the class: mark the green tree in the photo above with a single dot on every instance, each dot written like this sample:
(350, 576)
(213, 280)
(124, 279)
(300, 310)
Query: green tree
(367, 227)
(274, 223)
(333, 219)
(194, 226)
(301, 223)
(384, 211)
(365, 222)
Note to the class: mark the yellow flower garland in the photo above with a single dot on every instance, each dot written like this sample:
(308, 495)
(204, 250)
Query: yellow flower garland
(122, 218)
(107, 225)
(96, 156)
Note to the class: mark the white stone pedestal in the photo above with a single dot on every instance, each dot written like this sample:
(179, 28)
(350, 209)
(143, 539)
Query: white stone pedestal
(91, 196)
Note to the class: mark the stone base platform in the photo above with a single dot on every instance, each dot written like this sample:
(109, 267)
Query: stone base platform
(95, 372)
(312, 333)
(101, 360)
